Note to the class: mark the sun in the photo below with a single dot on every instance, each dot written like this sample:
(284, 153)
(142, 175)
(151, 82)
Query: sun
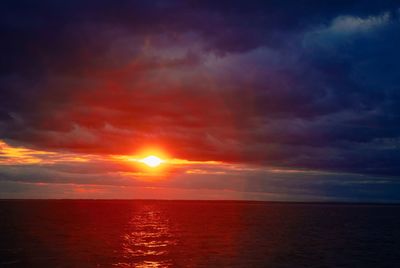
(152, 161)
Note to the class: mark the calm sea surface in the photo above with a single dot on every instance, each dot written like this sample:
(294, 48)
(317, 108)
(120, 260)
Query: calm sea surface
(197, 234)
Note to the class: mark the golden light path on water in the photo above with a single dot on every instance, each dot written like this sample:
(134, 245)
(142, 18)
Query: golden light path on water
(147, 241)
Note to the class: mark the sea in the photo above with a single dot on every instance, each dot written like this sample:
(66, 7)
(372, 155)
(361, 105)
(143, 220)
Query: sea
(152, 233)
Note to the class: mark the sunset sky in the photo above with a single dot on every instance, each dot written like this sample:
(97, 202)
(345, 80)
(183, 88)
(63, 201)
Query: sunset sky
(254, 100)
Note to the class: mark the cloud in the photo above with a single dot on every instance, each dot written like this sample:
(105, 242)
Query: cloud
(265, 84)
(117, 176)
(351, 24)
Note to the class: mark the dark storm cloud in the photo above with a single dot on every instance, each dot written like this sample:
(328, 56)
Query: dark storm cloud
(298, 84)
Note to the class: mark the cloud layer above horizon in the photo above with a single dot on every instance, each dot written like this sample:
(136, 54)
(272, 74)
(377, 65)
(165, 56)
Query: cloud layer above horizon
(267, 88)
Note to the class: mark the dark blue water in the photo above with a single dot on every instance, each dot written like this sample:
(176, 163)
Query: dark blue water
(197, 234)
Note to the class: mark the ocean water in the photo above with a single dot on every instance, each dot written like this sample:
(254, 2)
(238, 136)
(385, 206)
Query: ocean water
(197, 234)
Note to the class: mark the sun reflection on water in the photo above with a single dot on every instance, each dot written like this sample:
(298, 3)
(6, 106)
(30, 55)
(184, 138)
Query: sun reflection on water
(148, 240)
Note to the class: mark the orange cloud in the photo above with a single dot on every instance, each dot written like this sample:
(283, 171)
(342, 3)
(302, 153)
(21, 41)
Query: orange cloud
(10, 155)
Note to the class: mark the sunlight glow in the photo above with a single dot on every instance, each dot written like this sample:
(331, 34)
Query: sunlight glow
(152, 161)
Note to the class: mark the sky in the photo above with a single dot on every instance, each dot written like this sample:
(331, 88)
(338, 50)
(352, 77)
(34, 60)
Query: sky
(243, 100)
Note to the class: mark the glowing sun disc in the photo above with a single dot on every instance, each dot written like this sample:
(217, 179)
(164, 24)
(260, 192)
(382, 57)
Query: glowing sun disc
(152, 161)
